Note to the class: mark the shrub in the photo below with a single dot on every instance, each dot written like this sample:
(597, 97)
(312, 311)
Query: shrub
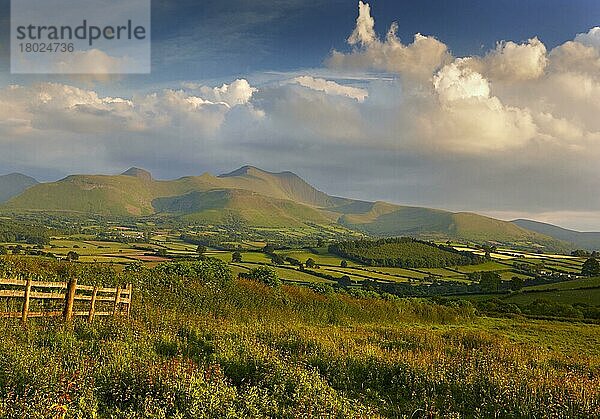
(265, 275)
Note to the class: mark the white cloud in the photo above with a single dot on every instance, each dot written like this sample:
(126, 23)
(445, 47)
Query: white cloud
(453, 82)
(514, 62)
(91, 62)
(581, 55)
(591, 38)
(55, 106)
(417, 60)
(239, 92)
(364, 32)
(331, 87)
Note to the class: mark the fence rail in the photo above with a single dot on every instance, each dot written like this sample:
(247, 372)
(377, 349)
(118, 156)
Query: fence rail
(85, 297)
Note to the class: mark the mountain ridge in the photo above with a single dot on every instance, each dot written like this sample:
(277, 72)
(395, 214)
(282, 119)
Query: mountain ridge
(588, 240)
(260, 198)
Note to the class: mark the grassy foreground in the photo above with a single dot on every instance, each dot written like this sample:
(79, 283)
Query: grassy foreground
(202, 345)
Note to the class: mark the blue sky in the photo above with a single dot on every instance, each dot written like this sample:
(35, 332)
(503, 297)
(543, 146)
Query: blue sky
(216, 39)
(493, 108)
(233, 38)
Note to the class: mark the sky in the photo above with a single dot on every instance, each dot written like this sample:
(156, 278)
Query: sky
(485, 106)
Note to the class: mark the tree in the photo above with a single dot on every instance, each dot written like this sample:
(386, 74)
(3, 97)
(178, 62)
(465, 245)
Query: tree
(265, 275)
(201, 250)
(344, 264)
(490, 281)
(72, 256)
(277, 259)
(3, 250)
(345, 281)
(310, 263)
(134, 267)
(590, 267)
(268, 248)
(580, 253)
(236, 257)
(516, 283)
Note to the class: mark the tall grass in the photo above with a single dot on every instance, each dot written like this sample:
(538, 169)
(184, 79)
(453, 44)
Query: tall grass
(198, 347)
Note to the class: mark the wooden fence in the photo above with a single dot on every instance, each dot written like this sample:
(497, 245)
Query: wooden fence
(67, 299)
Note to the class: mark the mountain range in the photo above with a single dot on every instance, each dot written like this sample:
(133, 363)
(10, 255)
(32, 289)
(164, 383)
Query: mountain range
(263, 199)
(582, 240)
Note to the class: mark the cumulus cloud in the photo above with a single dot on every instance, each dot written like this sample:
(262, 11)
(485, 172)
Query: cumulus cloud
(453, 82)
(591, 38)
(237, 93)
(513, 62)
(364, 32)
(417, 60)
(573, 56)
(54, 106)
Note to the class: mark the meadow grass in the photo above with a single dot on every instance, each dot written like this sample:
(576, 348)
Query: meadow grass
(205, 346)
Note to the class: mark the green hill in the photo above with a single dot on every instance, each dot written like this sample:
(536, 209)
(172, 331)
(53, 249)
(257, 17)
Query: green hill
(382, 219)
(14, 184)
(254, 196)
(225, 206)
(260, 198)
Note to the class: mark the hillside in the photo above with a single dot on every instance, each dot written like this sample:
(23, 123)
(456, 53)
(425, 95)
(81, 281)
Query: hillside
(582, 240)
(382, 219)
(14, 184)
(284, 185)
(226, 206)
(250, 195)
(262, 199)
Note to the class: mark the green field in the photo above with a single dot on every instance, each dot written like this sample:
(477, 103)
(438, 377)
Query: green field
(567, 285)
(487, 266)
(590, 297)
(320, 259)
(401, 272)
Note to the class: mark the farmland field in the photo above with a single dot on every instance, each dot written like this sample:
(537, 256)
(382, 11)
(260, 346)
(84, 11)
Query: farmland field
(564, 296)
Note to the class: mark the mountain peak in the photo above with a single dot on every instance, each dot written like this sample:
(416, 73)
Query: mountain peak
(13, 184)
(243, 171)
(137, 172)
(19, 176)
(255, 171)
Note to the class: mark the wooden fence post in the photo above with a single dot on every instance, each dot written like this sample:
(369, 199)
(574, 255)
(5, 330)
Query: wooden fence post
(93, 305)
(25, 311)
(130, 289)
(117, 300)
(70, 300)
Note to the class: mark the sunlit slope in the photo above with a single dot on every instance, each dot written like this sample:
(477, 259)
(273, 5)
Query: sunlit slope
(260, 198)
(234, 205)
(284, 185)
(249, 194)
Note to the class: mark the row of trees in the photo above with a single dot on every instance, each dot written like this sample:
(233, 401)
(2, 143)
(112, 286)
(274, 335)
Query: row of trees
(404, 252)
(11, 232)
